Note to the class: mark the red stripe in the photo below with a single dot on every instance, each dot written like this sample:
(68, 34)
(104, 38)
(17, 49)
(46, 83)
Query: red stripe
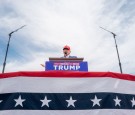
(64, 74)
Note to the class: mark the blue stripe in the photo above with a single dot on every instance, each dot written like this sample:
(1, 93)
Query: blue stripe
(32, 101)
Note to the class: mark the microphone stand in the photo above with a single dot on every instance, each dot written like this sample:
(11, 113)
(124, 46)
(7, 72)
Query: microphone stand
(114, 36)
(10, 35)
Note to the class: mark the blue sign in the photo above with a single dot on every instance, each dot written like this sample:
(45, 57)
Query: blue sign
(66, 66)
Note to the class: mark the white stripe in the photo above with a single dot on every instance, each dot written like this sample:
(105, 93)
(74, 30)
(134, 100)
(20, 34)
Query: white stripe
(69, 112)
(66, 85)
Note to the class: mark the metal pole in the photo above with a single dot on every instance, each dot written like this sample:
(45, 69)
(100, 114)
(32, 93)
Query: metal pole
(114, 35)
(4, 64)
(10, 34)
(117, 53)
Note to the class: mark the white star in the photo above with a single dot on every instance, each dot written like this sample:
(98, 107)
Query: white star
(0, 101)
(45, 102)
(19, 101)
(71, 102)
(96, 101)
(117, 101)
(133, 102)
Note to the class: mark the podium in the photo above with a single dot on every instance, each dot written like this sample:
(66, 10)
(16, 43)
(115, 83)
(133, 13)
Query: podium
(66, 64)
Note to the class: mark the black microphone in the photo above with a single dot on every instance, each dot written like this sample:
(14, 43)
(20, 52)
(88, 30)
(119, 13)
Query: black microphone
(65, 54)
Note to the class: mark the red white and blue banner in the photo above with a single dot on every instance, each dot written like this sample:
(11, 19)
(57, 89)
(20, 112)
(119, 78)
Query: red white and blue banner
(67, 93)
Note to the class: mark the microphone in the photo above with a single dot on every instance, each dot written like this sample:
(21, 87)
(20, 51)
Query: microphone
(65, 54)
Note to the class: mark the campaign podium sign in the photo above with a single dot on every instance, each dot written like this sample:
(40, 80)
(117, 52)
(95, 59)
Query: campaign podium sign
(66, 64)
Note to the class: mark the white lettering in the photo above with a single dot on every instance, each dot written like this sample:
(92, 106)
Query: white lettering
(77, 67)
(55, 67)
(60, 67)
(71, 67)
(66, 67)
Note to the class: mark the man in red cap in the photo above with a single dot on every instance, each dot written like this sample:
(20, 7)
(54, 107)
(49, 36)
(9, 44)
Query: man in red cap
(67, 51)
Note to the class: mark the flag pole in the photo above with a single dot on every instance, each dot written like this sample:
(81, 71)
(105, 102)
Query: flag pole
(10, 35)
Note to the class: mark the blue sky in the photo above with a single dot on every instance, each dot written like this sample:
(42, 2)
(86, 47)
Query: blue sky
(51, 24)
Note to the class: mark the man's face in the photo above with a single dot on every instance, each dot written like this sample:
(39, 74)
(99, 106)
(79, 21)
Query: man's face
(66, 52)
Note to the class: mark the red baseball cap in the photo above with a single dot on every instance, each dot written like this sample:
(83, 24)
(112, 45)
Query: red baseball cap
(66, 47)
